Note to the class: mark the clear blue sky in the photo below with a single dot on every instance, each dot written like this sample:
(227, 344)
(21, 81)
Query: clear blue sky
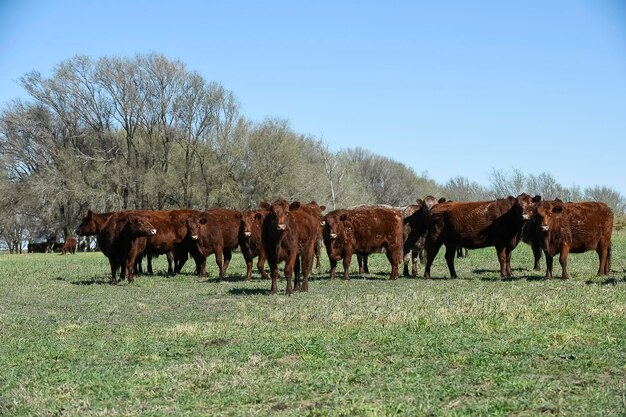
(447, 87)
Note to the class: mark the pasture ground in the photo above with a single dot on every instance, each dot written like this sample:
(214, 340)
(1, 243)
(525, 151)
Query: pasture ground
(73, 345)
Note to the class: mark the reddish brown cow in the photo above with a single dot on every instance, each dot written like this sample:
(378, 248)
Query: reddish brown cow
(315, 210)
(250, 240)
(477, 225)
(575, 228)
(363, 230)
(289, 234)
(119, 240)
(172, 225)
(69, 246)
(218, 234)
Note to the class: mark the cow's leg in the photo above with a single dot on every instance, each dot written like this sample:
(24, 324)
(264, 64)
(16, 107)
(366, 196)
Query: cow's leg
(228, 255)
(536, 255)
(501, 251)
(366, 267)
(450, 254)
(431, 253)
(248, 260)
(150, 272)
(415, 260)
(509, 252)
(170, 262)
(296, 273)
(406, 259)
(274, 275)
(261, 266)
(307, 265)
(333, 267)
(603, 256)
(289, 266)
(180, 258)
(549, 261)
(346, 265)
(219, 260)
(359, 260)
(200, 261)
(113, 265)
(563, 261)
(394, 260)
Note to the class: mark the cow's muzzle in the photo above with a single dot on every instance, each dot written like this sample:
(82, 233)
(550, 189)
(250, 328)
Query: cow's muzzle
(247, 234)
(526, 216)
(194, 237)
(152, 232)
(282, 226)
(545, 228)
(333, 235)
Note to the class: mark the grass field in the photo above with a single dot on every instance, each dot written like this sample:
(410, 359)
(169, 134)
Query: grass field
(73, 345)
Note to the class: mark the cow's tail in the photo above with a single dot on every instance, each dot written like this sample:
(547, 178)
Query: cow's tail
(608, 259)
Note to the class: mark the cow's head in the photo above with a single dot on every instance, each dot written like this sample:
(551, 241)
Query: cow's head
(280, 213)
(527, 204)
(315, 209)
(87, 226)
(548, 214)
(140, 226)
(334, 225)
(251, 220)
(193, 224)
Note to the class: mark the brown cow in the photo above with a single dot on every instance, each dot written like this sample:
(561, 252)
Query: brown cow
(69, 246)
(576, 228)
(218, 234)
(363, 230)
(119, 240)
(289, 234)
(314, 209)
(172, 225)
(415, 219)
(477, 225)
(250, 240)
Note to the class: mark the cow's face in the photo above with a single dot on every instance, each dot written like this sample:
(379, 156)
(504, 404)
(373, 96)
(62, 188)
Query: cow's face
(250, 220)
(193, 225)
(141, 227)
(527, 205)
(87, 226)
(317, 210)
(280, 211)
(333, 225)
(548, 214)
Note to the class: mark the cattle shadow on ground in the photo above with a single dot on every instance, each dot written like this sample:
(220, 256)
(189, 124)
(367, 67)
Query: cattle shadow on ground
(606, 281)
(228, 278)
(93, 281)
(249, 291)
(497, 271)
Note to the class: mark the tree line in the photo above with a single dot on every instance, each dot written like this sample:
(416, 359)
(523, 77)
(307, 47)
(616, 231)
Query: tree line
(147, 133)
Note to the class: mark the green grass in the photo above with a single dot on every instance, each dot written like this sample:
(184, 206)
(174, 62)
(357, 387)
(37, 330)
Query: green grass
(73, 345)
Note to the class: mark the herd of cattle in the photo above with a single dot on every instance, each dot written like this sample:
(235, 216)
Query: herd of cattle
(293, 233)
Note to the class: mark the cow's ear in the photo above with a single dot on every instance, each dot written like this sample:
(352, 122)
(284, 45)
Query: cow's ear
(322, 208)
(441, 200)
(264, 205)
(258, 216)
(536, 199)
(343, 217)
(294, 206)
(203, 220)
(419, 201)
(89, 213)
(557, 209)
(558, 200)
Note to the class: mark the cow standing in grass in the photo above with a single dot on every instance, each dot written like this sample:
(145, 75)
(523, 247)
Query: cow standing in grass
(120, 241)
(476, 225)
(363, 230)
(250, 240)
(575, 228)
(289, 235)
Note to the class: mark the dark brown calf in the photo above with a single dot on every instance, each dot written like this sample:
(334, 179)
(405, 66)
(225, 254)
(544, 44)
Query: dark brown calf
(120, 241)
(363, 230)
(289, 235)
(575, 228)
(218, 234)
(477, 225)
(69, 246)
(250, 240)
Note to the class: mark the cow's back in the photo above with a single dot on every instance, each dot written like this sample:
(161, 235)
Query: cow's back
(589, 223)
